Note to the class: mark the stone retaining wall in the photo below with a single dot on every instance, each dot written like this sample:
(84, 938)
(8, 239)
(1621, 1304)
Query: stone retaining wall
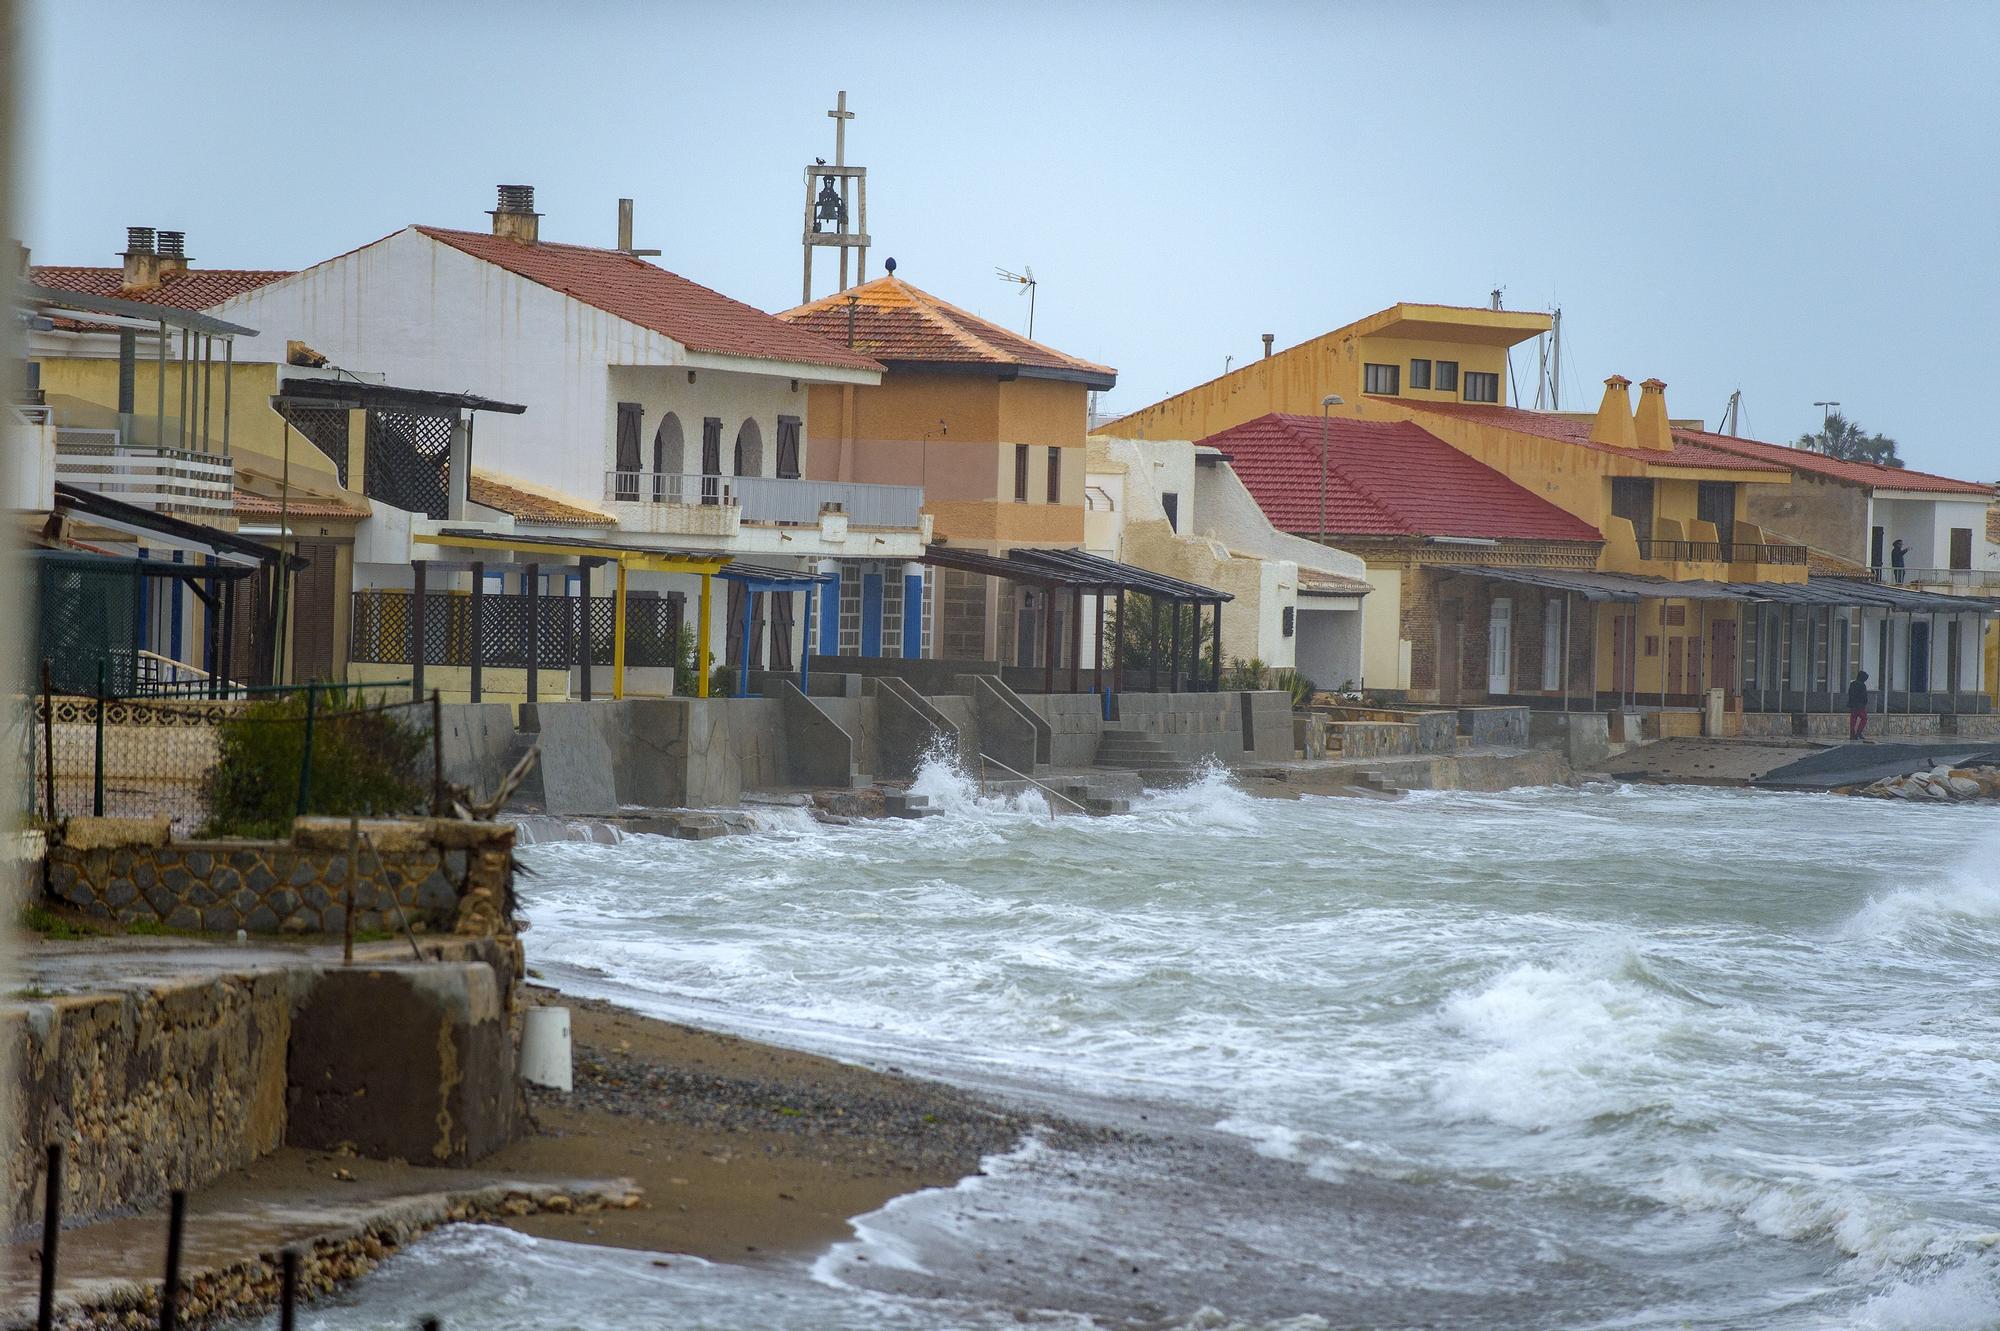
(1372, 739)
(1495, 727)
(146, 1091)
(1833, 725)
(1437, 731)
(447, 876)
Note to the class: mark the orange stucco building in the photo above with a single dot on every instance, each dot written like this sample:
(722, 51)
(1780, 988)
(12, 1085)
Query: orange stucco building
(989, 423)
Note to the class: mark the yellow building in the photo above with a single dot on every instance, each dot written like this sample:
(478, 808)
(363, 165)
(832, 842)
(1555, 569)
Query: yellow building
(1671, 509)
(990, 423)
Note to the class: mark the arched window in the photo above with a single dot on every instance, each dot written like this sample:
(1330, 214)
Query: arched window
(669, 458)
(750, 450)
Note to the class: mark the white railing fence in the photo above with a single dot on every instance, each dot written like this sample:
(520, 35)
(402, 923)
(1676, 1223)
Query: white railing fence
(772, 499)
(159, 478)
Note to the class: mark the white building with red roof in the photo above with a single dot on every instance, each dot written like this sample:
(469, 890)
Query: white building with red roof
(675, 413)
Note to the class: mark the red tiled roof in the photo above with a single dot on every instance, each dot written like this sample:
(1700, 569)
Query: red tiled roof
(528, 506)
(894, 321)
(1385, 478)
(250, 505)
(1819, 464)
(1576, 430)
(651, 297)
(191, 289)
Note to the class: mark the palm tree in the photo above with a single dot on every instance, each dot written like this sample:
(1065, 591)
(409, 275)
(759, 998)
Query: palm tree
(1842, 439)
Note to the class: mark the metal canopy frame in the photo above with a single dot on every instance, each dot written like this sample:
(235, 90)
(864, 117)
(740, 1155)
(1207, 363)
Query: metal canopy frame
(1078, 572)
(356, 393)
(758, 578)
(625, 558)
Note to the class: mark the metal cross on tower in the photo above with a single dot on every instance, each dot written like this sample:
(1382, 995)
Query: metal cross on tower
(840, 203)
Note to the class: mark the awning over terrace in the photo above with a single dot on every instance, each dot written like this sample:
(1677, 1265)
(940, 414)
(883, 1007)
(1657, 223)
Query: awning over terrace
(1077, 572)
(758, 578)
(624, 558)
(1594, 586)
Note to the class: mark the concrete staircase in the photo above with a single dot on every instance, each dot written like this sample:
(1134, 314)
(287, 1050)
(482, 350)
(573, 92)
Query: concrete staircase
(1369, 778)
(1137, 751)
(907, 804)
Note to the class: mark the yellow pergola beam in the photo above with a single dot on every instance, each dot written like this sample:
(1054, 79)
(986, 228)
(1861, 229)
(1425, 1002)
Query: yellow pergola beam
(627, 560)
(701, 640)
(618, 637)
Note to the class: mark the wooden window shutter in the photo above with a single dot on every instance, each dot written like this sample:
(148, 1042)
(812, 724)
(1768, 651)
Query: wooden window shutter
(629, 463)
(788, 448)
(711, 460)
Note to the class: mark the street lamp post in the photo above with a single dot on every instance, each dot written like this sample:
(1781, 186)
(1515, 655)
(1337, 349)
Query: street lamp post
(1326, 403)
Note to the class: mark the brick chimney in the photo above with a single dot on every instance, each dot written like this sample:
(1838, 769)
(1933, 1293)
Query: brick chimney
(516, 217)
(142, 264)
(171, 247)
(1614, 415)
(1649, 422)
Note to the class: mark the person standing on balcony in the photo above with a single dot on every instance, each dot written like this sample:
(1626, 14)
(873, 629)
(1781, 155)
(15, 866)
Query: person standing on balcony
(1857, 708)
(1898, 553)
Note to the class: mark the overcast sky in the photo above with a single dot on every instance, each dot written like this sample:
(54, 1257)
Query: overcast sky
(1794, 200)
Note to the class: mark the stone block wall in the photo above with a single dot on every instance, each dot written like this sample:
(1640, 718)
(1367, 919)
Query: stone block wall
(1985, 726)
(1833, 725)
(446, 876)
(1498, 727)
(1437, 731)
(1372, 739)
(1075, 722)
(147, 1090)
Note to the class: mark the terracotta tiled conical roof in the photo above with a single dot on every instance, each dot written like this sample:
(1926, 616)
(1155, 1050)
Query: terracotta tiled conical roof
(896, 322)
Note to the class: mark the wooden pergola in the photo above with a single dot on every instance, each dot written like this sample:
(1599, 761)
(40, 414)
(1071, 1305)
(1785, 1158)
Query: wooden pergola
(1077, 572)
(624, 558)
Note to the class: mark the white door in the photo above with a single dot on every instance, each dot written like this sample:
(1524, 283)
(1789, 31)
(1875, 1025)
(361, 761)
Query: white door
(1500, 649)
(1552, 646)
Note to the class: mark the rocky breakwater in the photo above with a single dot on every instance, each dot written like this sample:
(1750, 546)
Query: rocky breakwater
(1940, 785)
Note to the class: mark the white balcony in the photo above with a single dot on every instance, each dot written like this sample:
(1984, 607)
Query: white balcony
(1957, 581)
(167, 480)
(765, 499)
(756, 499)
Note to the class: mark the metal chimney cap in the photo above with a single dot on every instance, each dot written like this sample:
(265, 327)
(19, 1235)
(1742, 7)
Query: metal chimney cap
(138, 240)
(173, 244)
(516, 199)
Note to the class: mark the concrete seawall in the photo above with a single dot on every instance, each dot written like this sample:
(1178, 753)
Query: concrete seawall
(167, 1065)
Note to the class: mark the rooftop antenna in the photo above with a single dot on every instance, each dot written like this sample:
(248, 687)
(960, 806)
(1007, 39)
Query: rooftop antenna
(1548, 384)
(1731, 413)
(1026, 277)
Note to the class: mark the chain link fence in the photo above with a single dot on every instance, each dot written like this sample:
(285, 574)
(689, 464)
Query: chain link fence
(239, 766)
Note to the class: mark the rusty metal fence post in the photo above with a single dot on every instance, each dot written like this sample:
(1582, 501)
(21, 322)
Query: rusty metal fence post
(306, 752)
(49, 739)
(97, 772)
(45, 1308)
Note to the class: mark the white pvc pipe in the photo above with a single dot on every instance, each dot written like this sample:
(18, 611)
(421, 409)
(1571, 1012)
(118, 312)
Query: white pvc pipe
(545, 1047)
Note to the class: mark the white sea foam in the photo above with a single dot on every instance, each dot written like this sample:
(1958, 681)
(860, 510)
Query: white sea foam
(1967, 889)
(1691, 1016)
(1558, 1043)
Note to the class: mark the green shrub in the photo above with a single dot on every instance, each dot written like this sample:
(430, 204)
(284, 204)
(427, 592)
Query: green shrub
(50, 924)
(1292, 682)
(367, 761)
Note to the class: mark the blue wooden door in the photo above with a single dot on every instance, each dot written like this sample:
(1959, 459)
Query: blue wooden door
(871, 614)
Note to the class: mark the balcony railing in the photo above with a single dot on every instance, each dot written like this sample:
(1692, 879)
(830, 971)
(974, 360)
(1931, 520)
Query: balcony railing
(142, 474)
(772, 499)
(765, 499)
(1723, 552)
(1966, 581)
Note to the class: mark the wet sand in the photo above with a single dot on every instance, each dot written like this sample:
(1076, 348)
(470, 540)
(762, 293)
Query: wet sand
(741, 1150)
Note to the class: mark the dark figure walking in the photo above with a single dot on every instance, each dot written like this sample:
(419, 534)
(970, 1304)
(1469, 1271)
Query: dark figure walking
(1898, 554)
(1857, 707)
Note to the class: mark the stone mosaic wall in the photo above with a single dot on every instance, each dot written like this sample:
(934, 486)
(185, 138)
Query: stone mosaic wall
(446, 876)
